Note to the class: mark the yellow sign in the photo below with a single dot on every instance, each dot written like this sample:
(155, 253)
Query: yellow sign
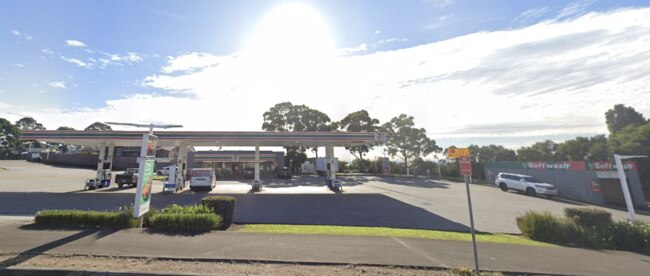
(457, 152)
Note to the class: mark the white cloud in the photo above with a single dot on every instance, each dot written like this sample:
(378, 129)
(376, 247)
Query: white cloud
(377, 31)
(21, 35)
(190, 62)
(531, 14)
(347, 51)
(47, 51)
(75, 43)
(76, 62)
(19, 65)
(129, 58)
(575, 8)
(438, 3)
(57, 84)
(551, 78)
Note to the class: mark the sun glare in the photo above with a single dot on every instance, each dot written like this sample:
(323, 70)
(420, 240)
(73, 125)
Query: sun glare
(292, 33)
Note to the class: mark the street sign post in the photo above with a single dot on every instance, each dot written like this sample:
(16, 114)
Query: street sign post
(466, 171)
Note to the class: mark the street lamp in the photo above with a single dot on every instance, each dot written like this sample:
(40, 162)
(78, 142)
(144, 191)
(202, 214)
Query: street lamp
(624, 186)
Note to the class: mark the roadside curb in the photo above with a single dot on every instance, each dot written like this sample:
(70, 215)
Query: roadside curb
(29, 270)
(47, 271)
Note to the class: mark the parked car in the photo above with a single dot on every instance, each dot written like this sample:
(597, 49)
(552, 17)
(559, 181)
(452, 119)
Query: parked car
(164, 171)
(524, 183)
(284, 172)
(129, 177)
(248, 173)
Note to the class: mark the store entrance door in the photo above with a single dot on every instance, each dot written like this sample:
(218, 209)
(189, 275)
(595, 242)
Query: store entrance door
(612, 193)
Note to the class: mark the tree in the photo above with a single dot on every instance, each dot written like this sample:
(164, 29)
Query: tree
(491, 153)
(583, 148)
(633, 140)
(64, 128)
(621, 116)
(99, 126)
(359, 121)
(9, 135)
(28, 123)
(598, 149)
(407, 142)
(540, 151)
(288, 117)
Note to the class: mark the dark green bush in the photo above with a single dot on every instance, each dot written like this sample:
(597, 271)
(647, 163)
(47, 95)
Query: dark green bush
(194, 222)
(223, 206)
(589, 217)
(83, 218)
(631, 236)
(187, 209)
(547, 228)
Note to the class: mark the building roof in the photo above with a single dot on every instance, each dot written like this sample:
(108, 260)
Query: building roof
(207, 138)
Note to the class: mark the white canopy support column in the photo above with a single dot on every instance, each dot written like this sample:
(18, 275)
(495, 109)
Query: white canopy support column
(329, 156)
(109, 159)
(100, 161)
(257, 183)
(181, 166)
(257, 163)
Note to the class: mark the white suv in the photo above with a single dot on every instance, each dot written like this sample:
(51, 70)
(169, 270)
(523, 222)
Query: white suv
(524, 183)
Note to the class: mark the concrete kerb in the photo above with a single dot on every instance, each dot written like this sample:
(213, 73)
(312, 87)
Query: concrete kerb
(60, 271)
(45, 271)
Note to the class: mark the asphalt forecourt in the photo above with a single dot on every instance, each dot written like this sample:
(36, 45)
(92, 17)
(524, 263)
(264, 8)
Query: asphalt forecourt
(26, 188)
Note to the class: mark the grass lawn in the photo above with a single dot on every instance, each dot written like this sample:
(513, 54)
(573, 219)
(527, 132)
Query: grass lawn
(388, 232)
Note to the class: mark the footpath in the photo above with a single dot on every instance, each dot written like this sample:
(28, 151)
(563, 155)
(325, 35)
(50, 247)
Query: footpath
(19, 237)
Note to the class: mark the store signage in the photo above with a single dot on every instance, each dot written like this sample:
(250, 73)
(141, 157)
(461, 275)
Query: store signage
(594, 185)
(628, 165)
(566, 166)
(453, 153)
(465, 166)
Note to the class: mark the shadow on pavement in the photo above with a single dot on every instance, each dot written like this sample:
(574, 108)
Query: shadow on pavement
(415, 182)
(310, 209)
(30, 253)
(302, 180)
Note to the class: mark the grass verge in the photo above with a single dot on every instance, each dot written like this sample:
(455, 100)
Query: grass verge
(387, 232)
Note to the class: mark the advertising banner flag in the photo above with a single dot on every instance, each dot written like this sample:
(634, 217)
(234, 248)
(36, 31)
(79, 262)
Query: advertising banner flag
(143, 192)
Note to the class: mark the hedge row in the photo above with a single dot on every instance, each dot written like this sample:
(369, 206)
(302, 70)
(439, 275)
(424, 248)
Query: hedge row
(215, 212)
(195, 222)
(84, 218)
(223, 206)
(589, 228)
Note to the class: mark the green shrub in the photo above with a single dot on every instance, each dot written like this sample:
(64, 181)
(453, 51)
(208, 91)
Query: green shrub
(83, 218)
(187, 209)
(589, 233)
(194, 222)
(631, 236)
(589, 217)
(223, 206)
(547, 228)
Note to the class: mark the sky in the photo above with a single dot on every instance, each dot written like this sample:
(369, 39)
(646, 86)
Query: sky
(469, 72)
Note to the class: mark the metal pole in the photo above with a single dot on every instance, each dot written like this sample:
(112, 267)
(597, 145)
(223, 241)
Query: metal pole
(471, 221)
(626, 189)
